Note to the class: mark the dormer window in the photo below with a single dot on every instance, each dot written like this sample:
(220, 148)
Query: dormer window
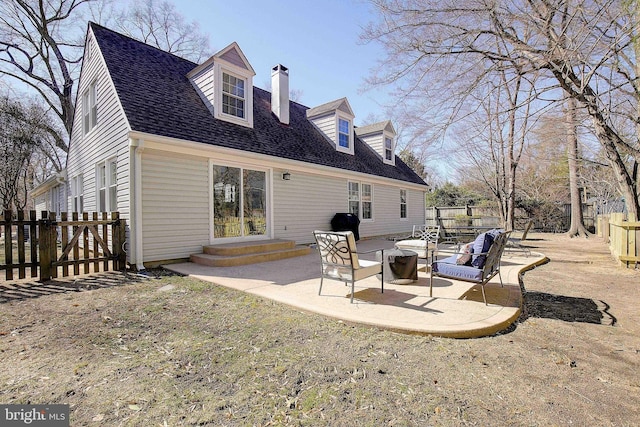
(225, 85)
(343, 133)
(381, 138)
(388, 149)
(335, 120)
(233, 95)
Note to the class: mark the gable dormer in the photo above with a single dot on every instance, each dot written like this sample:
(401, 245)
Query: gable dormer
(335, 120)
(225, 84)
(382, 138)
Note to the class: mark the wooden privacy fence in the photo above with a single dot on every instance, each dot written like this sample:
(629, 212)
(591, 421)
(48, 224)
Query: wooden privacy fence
(48, 248)
(623, 238)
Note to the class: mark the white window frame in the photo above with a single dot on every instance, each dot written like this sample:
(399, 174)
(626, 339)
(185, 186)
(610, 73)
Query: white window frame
(77, 193)
(403, 204)
(388, 150)
(107, 183)
(240, 74)
(234, 96)
(360, 197)
(89, 108)
(349, 148)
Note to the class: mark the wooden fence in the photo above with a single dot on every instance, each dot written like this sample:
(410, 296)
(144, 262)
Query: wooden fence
(623, 238)
(48, 248)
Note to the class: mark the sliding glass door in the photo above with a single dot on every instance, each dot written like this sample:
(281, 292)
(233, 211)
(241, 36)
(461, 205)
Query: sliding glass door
(239, 202)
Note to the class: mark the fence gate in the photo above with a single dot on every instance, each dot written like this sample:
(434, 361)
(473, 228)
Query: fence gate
(54, 246)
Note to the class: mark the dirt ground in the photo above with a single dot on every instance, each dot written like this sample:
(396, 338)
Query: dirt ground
(169, 350)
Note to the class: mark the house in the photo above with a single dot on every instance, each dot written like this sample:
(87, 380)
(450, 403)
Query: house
(194, 154)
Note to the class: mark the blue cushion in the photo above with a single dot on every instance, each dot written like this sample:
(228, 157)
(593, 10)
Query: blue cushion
(481, 244)
(448, 267)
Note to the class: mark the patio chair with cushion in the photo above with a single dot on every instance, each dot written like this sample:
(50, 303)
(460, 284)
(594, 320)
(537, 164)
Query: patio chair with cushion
(478, 265)
(422, 237)
(340, 260)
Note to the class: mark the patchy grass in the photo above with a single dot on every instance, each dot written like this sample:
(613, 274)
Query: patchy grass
(170, 350)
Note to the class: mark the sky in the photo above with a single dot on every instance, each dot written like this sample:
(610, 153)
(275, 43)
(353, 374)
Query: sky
(318, 41)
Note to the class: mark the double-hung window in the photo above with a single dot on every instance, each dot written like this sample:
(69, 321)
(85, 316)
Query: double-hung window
(343, 133)
(233, 95)
(403, 204)
(77, 193)
(367, 202)
(107, 186)
(89, 109)
(361, 200)
(388, 148)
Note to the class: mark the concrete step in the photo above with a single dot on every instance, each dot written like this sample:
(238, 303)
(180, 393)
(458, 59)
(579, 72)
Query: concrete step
(245, 248)
(234, 254)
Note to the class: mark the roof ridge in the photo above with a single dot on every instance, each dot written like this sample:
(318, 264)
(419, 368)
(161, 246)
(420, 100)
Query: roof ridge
(147, 45)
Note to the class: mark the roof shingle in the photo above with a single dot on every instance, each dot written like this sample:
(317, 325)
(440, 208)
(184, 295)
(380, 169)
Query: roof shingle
(158, 98)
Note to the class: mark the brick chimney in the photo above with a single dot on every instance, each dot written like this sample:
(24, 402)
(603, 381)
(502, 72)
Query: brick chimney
(280, 93)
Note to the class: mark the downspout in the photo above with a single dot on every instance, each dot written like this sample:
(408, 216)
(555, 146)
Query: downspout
(136, 146)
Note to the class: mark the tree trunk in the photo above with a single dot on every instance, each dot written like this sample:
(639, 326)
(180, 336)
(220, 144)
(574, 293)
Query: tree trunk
(577, 228)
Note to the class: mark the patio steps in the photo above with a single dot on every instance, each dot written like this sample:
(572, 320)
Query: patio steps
(232, 254)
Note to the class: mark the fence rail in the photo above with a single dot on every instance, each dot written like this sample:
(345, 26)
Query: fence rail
(46, 248)
(623, 238)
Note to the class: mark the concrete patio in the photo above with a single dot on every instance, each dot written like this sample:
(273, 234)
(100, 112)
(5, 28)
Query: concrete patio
(455, 310)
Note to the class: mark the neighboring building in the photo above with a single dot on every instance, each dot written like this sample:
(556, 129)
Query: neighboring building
(193, 155)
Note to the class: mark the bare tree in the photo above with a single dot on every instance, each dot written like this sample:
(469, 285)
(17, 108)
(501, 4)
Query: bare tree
(586, 47)
(577, 227)
(158, 23)
(17, 145)
(40, 48)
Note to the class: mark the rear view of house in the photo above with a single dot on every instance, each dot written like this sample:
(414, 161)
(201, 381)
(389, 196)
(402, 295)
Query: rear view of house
(194, 154)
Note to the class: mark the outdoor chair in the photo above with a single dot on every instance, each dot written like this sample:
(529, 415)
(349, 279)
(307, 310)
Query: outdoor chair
(516, 244)
(421, 238)
(340, 261)
(479, 265)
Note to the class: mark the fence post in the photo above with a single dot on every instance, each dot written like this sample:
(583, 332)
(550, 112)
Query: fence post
(33, 235)
(45, 246)
(8, 249)
(118, 239)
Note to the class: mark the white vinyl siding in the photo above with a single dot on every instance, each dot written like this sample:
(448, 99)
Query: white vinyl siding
(326, 125)
(295, 220)
(107, 140)
(175, 206)
(204, 84)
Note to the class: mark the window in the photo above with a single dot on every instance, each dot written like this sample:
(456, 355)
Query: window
(107, 185)
(388, 149)
(77, 193)
(361, 200)
(343, 133)
(354, 198)
(367, 202)
(403, 204)
(89, 110)
(233, 96)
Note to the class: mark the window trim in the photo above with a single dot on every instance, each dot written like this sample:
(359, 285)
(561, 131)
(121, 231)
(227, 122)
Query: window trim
(77, 193)
(89, 108)
(234, 96)
(349, 120)
(360, 199)
(404, 204)
(104, 174)
(240, 74)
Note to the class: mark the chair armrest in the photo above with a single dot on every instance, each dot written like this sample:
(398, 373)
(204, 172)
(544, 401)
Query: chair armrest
(369, 252)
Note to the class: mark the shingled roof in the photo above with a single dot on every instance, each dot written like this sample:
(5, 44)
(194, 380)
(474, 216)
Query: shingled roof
(158, 99)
